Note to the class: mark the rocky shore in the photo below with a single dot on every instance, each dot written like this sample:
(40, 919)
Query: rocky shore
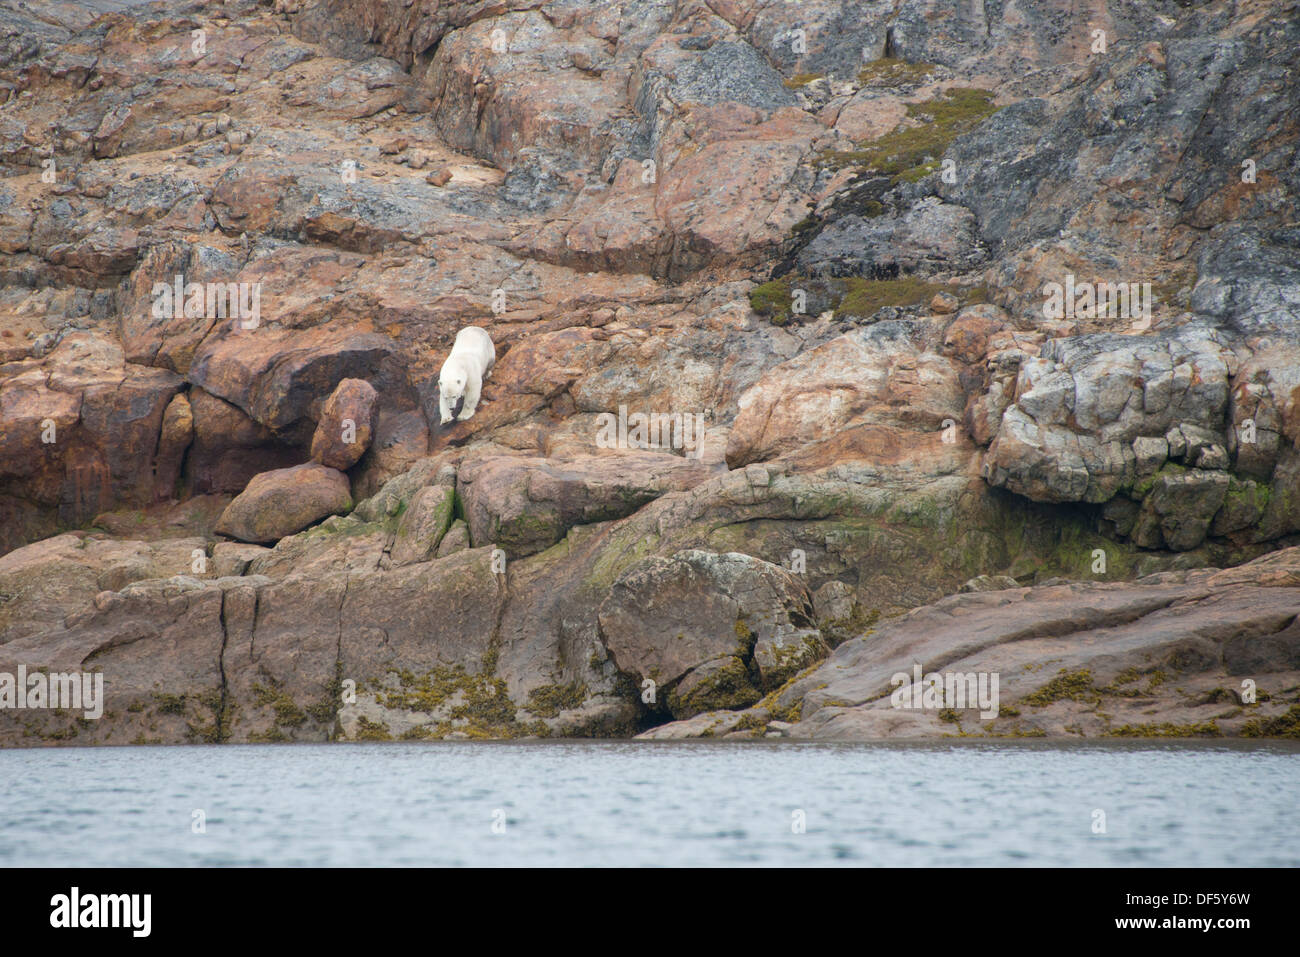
(782, 407)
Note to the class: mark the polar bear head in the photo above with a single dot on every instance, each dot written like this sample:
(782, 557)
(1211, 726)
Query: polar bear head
(451, 387)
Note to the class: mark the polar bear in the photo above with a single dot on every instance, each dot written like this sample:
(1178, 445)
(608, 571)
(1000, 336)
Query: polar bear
(460, 383)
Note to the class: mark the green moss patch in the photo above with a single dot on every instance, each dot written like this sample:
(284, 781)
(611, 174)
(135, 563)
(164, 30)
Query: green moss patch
(727, 688)
(368, 730)
(751, 722)
(794, 712)
(851, 296)
(772, 299)
(169, 703)
(473, 705)
(1125, 684)
(865, 297)
(909, 153)
(222, 710)
(480, 698)
(276, 698)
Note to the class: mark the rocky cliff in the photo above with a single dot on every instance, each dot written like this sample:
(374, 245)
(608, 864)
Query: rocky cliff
(833, 340)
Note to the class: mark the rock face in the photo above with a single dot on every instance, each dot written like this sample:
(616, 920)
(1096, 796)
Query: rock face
(1193, 649)
(1098, 419)
(83, 432)
(527, 504)
(880, 377)
(422, 526)
(279, 503)
(786, 364)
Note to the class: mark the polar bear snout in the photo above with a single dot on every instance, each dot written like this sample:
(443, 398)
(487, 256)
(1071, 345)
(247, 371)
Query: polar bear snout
(457, 404)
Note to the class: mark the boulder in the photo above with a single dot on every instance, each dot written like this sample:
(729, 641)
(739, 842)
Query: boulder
(1087, 409)
(285, 501)
(711, 630)
(1178, 510)
(455, 540)
(277, 376)
(344, 428)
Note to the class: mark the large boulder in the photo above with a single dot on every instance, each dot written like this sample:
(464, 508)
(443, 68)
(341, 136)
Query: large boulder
(278, 376)
(1179, 508)
(345, 425)
(1166, 422)
(709, 630)
(1083, 403)
(285, 501)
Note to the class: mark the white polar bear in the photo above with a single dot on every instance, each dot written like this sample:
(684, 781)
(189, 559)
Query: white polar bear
(460, 383)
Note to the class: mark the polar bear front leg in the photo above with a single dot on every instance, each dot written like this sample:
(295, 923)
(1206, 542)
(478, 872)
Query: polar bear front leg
(473, 389)
(444, 408)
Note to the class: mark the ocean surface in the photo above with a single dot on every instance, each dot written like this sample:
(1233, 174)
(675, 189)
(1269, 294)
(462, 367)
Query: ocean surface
(652, 803)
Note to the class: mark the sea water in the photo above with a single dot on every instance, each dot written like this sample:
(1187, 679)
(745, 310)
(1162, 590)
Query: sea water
(572, 803)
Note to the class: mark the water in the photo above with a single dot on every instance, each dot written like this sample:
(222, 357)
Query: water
(642, 803)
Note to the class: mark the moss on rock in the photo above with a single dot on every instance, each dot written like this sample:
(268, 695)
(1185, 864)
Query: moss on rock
(1066, 686)
(713, 686)
(549, 700)
(1282, 726)
(1204, 729)
(774, 300)
(910, 152)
